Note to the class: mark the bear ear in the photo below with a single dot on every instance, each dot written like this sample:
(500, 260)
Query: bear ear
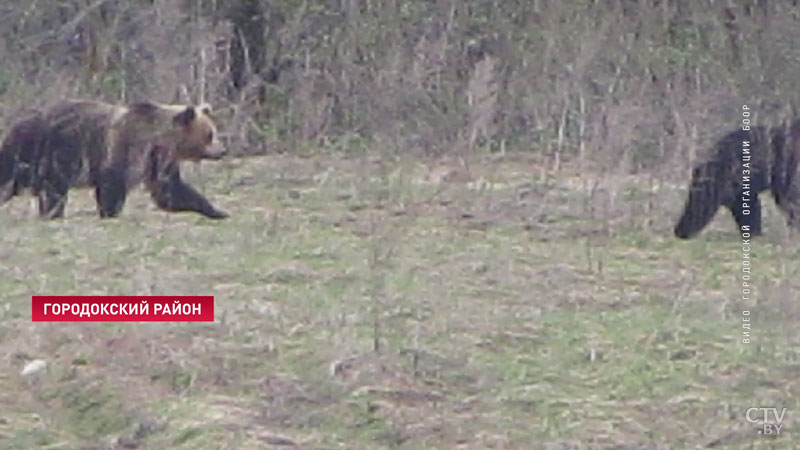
(185, 117)
(206, 109)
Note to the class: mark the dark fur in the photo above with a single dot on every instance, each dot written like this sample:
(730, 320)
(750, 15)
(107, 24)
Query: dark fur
(718, 181)
(70, 145)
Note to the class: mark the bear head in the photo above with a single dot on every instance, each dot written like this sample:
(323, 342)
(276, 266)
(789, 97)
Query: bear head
(197, 134)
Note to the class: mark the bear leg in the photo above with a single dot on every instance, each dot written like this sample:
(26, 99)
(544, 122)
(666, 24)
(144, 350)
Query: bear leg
(52, 199)
(110, 192)
(752, 220)
(177, 196)
(8, 181)
(171, 193)
(701, 206)
(789, 203)
(58, 165)
(20, 156)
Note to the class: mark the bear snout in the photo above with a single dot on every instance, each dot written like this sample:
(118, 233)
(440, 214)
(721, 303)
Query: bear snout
(216, 152)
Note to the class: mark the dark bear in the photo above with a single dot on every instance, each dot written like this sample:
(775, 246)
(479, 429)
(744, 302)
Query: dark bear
(722, 180)
(111, 148)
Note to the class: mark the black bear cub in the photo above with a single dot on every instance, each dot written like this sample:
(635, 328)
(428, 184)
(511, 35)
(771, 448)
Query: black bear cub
(736, 174)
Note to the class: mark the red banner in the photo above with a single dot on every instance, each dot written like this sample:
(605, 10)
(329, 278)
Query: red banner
(179, 308)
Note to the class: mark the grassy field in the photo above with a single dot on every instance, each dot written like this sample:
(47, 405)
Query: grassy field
(366, 303)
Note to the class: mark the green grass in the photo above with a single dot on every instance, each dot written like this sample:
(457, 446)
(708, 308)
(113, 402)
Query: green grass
(501, 320)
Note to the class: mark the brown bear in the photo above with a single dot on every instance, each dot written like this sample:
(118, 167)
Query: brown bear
(735, 175)
(112, 148)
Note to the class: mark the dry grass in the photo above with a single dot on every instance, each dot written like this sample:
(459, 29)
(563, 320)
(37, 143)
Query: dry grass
(510, 309)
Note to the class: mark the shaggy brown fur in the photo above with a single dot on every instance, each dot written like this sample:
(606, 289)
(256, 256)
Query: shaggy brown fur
(111, 148)
(719, 181)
